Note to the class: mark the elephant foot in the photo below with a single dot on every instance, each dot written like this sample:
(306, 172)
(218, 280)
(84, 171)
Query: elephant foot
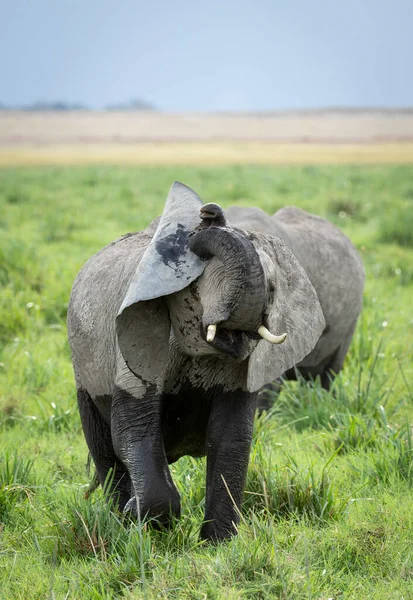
(162, 512)
(214, 534)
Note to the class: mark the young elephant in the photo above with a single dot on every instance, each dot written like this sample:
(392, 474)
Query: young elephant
(165, 328)
(333, 266)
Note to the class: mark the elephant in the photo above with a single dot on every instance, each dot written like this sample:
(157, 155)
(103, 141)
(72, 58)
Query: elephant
(336, 271)
(173, 331)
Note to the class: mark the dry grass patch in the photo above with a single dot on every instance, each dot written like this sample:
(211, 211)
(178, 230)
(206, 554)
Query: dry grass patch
(206, 153)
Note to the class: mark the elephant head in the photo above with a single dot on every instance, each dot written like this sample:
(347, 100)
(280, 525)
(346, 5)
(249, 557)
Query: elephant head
(222, 289)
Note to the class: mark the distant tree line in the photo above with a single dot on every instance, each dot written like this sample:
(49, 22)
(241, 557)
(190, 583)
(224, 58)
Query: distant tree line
(61, 106)
(131, 105)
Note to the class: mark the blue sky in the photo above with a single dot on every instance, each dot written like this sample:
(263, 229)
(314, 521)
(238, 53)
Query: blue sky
(211, 55)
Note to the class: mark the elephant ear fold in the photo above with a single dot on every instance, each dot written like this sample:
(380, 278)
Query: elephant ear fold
(143, 331)
(168, 265)
(294, 309)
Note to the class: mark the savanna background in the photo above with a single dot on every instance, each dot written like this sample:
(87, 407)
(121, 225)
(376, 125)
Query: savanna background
(235, 102)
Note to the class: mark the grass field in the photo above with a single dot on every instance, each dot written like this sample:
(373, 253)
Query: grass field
(328, 510)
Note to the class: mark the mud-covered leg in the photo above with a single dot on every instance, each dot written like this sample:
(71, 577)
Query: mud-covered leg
(137, 438)
(99, 440)
(228, 447)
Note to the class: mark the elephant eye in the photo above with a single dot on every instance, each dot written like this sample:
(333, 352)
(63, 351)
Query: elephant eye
(271, 289)
(271, 292)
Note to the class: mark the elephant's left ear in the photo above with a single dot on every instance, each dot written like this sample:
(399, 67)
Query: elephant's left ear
(168, 265)
(293, 308)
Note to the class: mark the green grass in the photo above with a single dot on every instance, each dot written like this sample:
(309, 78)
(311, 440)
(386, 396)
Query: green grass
(328, 509)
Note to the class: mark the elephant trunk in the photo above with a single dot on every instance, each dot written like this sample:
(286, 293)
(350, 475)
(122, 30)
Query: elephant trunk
(237, 294)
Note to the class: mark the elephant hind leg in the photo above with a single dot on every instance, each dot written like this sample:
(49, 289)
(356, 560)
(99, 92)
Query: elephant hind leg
(99, 440)
(330, 371)
(335, 365)
(267, 395)
(337, 359)
(326, 370)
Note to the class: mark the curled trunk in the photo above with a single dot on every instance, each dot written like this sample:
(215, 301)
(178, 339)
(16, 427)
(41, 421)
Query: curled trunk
(237, 295)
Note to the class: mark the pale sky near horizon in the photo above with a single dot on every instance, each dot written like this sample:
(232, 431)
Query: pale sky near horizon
(206, 56)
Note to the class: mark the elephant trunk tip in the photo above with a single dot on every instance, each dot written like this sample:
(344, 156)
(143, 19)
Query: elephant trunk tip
(212, 215)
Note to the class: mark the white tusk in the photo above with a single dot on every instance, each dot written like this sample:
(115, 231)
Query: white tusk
(211, 331)
(270, 337)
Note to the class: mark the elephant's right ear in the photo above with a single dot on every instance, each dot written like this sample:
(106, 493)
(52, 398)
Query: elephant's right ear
(167, 266)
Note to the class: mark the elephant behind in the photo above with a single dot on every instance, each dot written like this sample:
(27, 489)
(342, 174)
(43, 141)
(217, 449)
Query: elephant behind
(165, 328)
(335, 269)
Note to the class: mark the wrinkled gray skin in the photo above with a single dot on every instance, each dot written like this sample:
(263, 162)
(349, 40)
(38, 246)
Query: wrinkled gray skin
(334, 268)
(150, 387)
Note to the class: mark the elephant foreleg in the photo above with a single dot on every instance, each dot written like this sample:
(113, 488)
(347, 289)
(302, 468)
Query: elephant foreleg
(99, 441)
(229, 437)
(137, 439)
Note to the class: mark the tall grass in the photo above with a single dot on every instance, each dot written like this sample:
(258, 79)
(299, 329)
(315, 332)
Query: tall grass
(288, 490)
(16, 482)
(396, 225)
